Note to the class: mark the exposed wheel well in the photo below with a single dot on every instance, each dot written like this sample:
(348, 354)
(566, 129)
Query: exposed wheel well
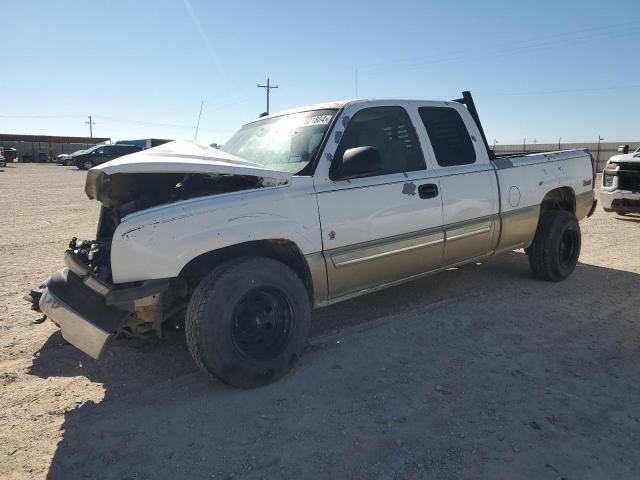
(562, 198)
(282, 250)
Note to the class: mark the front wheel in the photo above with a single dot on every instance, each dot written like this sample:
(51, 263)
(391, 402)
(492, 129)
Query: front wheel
(87, 165)
(248, 321)
(554, 253)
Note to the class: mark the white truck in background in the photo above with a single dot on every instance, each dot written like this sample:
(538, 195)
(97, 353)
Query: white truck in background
(620, 189)
(303, 209)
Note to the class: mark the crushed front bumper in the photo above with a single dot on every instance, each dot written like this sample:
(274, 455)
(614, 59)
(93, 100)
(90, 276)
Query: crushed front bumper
(87, 310)
(85, 321)
(618, 200)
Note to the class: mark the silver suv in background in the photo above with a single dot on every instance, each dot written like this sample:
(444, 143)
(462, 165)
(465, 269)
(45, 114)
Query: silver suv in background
(620, 190)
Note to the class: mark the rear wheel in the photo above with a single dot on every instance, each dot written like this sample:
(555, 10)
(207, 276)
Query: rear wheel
(248, 321)
(555, 250)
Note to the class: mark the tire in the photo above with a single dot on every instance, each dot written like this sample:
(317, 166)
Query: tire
(248, 321)
(87, 164)
(555, 250)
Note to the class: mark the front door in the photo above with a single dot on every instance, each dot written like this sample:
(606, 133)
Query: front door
(383, 228)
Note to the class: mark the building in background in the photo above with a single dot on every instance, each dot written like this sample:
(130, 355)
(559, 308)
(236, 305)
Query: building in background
(42, 148)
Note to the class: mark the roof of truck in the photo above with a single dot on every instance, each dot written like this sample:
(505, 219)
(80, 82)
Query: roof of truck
(335, 105)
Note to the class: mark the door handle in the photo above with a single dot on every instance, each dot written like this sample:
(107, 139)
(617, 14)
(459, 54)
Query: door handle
(428, 190)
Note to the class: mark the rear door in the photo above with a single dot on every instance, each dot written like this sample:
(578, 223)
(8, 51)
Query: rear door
(383, 228)
(467, 179)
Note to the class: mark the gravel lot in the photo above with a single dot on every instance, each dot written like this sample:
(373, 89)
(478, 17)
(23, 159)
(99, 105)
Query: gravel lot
(478, 372)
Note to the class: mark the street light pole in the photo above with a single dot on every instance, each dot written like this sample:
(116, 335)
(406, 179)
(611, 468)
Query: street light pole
(598, 153)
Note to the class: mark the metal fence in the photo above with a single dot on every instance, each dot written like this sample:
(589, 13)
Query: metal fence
(601, 151)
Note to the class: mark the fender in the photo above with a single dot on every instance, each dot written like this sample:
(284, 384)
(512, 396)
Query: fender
(158, 242)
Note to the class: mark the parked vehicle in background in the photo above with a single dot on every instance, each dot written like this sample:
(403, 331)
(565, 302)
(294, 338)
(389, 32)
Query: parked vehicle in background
(144, 142)
(10, 154)
(3, 160)
(42, 157)
(67, 158)
(620, 190)
(304, 209)
(64, 159)
(102, 153)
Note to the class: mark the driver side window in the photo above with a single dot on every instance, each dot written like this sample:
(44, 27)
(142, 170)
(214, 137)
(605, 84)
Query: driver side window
(390, 131)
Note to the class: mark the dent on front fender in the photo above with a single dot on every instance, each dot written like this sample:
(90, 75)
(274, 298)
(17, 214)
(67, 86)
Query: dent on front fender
(159, 243)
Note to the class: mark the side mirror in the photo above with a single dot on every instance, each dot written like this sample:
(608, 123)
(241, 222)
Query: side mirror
(359, 162)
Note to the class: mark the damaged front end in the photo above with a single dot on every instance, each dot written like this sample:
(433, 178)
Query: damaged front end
(88, 308)
(82, 298)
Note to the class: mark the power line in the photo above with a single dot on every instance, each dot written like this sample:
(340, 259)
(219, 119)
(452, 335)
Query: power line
(535, 43)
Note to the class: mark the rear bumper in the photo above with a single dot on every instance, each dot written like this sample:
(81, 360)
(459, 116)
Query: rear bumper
(620, 201)
(87, 318)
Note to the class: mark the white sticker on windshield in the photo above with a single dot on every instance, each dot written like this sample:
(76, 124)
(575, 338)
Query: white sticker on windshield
(318, 120)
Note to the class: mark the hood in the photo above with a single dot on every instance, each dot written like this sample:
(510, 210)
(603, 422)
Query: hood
(180, 157)
(627, 157)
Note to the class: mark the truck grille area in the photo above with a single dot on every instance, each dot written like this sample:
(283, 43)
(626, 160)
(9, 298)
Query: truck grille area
(629, 177)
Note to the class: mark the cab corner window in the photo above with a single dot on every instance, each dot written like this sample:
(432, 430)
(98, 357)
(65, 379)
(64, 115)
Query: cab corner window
(448, 135)
(390, 131)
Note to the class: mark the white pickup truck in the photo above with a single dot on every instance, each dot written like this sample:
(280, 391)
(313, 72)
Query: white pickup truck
(304, 209)
(620, 191)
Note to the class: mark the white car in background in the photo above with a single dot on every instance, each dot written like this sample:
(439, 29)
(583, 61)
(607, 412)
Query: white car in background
(67, 158)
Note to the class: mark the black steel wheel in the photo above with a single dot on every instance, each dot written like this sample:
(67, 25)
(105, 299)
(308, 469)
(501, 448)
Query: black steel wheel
(248, 321)
(262, 323)
(555, 250)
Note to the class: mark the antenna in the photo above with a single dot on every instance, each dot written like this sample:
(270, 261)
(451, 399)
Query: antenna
(195, 137)
(356, 82)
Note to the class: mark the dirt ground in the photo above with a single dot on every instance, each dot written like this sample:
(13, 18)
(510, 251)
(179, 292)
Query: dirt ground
(478, 372)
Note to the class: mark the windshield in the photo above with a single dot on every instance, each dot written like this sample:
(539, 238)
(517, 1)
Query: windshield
(286, 143)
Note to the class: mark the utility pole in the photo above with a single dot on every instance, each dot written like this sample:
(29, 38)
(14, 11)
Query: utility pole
(559, 140)
(524, 145)
(494, 143)
(268, 88)
(91, 124)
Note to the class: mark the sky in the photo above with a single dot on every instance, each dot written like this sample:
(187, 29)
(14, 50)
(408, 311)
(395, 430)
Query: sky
(538, 70)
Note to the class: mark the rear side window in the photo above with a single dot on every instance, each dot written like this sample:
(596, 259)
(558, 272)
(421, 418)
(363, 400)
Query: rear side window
(390, 130)
(449, 136)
